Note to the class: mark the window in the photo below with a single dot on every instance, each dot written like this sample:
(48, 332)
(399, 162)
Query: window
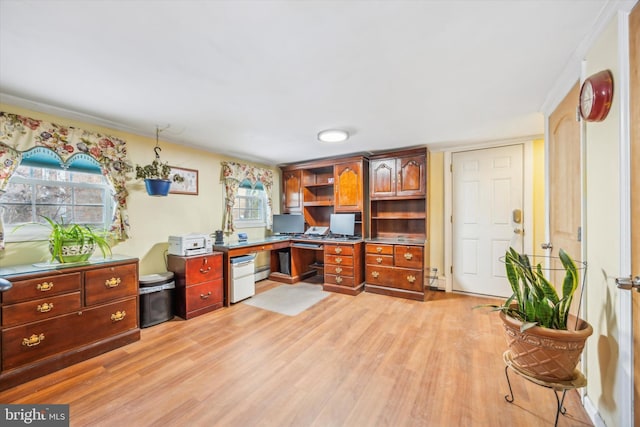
(79, 194)
(249, 208)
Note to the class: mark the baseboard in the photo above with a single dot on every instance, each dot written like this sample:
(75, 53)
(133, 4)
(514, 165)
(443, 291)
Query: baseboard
(592, 412)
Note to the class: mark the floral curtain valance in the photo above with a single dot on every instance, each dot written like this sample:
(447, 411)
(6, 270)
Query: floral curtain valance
(19, 133)
(233, 174)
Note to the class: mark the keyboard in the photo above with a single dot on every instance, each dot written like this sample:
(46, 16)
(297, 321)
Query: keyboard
(307, 245)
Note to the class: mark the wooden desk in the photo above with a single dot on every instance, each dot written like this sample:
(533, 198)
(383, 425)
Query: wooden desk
(305, 261)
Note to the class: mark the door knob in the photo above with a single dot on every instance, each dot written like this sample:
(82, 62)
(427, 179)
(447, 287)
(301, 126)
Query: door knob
(628, 283)
(547, 245)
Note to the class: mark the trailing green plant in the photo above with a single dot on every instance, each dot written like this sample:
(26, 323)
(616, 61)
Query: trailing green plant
(157, 170)
(535, 301)
(61, 233)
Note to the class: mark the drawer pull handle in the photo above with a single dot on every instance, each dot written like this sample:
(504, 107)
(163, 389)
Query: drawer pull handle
(44, 307)
(379, 249)
(408, 256)
(45, 286)
(375, 274)
(339, 260)
(203, 296)
(112, 283)
(338, 279)
(118, 316)
(338, 270)
(338, 250)
(411, 278)
(205, 263)
(379, 260)
(33, 340)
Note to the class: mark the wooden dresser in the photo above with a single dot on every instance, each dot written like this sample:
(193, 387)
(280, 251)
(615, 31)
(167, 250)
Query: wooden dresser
(199, 283)
(395, 269)
(53, 318)
(343, 267)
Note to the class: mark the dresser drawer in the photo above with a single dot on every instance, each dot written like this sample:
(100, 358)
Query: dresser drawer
(110, 283)
(28, 343)
(338, 269)
(203, 268)
(408, 256)
(373, 248)
(338, 250)
(204, 295)
(43, 287)
(40, 309)
(376, 259)
(403, 278)
(339, 279)
(338, 260)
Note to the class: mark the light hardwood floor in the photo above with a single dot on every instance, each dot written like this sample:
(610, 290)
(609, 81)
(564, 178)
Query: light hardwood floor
(369, 360)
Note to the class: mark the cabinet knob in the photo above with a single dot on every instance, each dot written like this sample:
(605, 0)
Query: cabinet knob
(339, 260)
(379, 260)
(338, 270)
(44, 286)
(375, 274)
(338, 250)
(44, 308)
(205, 296)
(379, 249)
(338, 279)
(33, 340)
(205, 263)
(411, 278)
(408, 256)
(118, 316)
(112, 283)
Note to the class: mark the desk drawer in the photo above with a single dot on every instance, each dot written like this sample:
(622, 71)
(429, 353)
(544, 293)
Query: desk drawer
(42, 287)
(373, 248)
(403, 278)
(408, 256)
(338, 280)
(204, 295)
(108, 284)
(338, 250)
(40, 309)
(338, 269)
(338, 260)
(203, 268)
(376, 259)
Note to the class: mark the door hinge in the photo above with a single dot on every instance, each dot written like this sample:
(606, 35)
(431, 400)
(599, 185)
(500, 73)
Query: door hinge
(451, 269)
(579, 234)
(450, 167)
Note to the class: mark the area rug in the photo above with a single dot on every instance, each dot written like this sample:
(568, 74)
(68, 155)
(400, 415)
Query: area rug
(289, 300)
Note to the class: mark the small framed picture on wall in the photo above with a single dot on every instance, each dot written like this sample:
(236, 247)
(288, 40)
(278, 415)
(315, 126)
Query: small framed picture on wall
(190, 183)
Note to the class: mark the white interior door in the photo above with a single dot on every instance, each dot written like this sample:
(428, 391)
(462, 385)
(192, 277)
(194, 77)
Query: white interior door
(487, 187)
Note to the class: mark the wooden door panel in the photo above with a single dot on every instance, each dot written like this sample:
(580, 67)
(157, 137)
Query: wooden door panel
(565, 200)
(411, 176)
(348, 187)
(382, 178)
(292, 187)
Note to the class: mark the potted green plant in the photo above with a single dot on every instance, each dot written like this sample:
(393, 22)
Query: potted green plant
(157, 177)
(544, 340)
(74, 242)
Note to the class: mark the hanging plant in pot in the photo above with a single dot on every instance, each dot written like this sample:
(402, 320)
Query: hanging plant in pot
(544, 340)
(157, 177)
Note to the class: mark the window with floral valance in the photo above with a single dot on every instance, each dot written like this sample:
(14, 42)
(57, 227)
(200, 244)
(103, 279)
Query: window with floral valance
(19, 134)
(235, 173)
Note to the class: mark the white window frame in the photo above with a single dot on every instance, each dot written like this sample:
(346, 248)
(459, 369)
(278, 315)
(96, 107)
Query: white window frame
(251, 223)
(37, 232)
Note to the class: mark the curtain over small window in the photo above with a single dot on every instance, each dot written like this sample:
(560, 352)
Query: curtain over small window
(233, 175)
(19, 134)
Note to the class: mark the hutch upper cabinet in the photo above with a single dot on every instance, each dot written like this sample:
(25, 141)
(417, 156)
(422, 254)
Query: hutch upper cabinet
(292, 186)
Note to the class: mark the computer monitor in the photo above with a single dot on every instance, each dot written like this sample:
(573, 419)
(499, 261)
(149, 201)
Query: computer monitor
(288, 224)
(342, 224)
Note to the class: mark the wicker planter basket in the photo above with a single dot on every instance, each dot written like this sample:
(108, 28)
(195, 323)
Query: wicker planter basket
(543, 353)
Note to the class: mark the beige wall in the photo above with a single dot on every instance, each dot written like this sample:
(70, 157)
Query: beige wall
(435, 214)
(538, 197)
(602, 236)
(152, 219)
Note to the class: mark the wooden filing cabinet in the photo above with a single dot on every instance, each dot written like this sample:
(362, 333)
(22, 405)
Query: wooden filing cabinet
(343, 267)
(199, 283)
(395, 269)
(55, 318)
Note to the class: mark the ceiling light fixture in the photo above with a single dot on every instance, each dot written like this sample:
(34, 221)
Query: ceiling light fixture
(333, 135)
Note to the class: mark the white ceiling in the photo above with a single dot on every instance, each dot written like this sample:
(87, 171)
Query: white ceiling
(259, 79)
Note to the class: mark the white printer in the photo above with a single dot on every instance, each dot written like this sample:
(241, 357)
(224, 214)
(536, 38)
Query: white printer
(190, 244)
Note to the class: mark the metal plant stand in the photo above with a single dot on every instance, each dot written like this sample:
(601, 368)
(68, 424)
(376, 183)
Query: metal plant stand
(578, 381)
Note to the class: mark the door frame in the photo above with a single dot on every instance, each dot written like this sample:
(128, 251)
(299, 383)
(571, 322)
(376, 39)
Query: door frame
(527, 197)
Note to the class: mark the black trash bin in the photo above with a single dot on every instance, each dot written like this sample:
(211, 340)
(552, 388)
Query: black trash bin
(156, 298)
(285, 261)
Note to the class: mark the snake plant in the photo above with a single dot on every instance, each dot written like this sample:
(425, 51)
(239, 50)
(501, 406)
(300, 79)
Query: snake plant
(535, 301)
